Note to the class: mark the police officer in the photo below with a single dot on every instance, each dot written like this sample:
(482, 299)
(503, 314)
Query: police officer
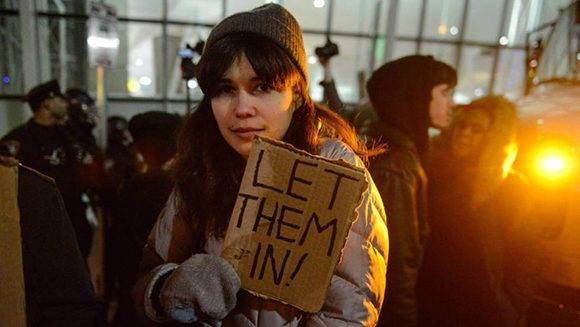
(44, 144)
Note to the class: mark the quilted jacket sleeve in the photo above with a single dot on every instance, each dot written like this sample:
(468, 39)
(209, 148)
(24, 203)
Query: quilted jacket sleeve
(357, 288)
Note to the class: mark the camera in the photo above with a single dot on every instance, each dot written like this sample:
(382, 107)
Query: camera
(187, 54)
(327, 51)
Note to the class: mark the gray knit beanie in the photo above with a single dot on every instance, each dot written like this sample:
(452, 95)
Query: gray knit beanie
(271, 21)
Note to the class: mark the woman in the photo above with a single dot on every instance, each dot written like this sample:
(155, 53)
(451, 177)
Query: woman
(409, 95)
(478, 268)
(253, 73)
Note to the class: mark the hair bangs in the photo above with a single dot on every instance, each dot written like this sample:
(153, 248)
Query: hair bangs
(270, 62)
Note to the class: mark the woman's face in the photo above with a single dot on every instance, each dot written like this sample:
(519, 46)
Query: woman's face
(441, 105)
(468, 133)
(244, 107)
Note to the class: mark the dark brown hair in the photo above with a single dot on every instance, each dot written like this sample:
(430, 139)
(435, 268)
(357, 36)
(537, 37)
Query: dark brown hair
(208, 172)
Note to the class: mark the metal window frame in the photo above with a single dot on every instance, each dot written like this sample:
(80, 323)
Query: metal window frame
(389, 35)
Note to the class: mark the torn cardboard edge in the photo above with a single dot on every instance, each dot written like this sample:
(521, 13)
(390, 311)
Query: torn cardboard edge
(253, 237)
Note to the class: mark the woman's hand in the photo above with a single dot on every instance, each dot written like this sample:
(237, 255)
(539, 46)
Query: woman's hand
(203, 285)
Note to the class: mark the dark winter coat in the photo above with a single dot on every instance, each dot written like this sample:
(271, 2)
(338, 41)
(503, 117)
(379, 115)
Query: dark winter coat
(51, 151)
(402, 183)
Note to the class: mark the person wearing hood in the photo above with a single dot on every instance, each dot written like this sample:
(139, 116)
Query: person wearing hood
(479, 262)
(409, 95)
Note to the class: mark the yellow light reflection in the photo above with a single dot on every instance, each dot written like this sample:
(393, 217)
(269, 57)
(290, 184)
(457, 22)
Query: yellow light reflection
(133, 86)
(553, 164)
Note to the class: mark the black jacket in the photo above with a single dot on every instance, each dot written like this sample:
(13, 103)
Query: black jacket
(402, 183)
(58, 288)
(51, 151)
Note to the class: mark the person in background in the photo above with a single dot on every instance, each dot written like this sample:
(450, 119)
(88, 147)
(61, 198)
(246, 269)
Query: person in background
(120, 164)
(58, 291)
(481, 260)
(90, 159)
(253, 73)
(361, 116)
(142, 198)
(45, 144)
(81, 118)
(409, 95)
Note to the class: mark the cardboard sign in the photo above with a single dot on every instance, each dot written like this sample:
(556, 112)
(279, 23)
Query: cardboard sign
(290, 222)
(12, 296)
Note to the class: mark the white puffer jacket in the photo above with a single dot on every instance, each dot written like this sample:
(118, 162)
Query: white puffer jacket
(357, 288)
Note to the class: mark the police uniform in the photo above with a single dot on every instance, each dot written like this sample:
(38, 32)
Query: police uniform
(51, 151)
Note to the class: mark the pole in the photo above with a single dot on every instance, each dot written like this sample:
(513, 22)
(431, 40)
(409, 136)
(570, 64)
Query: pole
(188, 96)
(101, 103)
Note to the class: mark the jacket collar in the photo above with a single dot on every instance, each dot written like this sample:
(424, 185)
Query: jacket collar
(395, 137)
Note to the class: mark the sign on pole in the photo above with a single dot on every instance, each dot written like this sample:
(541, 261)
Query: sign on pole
(290, 222)
(103, 39)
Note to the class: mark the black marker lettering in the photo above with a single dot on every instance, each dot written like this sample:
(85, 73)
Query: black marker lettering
(261, 216)
(339, 177)
(320, 229)
(281, 223)
(257, 172)
(243, 209)
(293, 178)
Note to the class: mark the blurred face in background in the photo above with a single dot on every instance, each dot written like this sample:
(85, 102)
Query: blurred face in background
(469, 132)
(441, 105)
(57, 107)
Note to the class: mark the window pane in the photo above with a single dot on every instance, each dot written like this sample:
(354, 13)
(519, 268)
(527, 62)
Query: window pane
(384, 16)
(150, 9)
(549, 10)
(12, 114)
(355, 16)
(144, 45)
(442, 52)
(526, 15)
(309, 17)
(516, 22)
(483, 20)
(234, 6)
(63, 51)
(510, 79)
(198, 11)
(9, 4)
(474, 73)
(353, 58)
(404, 48)
(60, 7)
(380, 48)
(11, 76)
(443, 19)
(138, 71)
(408, 15)
(178, 37)
(311, 41)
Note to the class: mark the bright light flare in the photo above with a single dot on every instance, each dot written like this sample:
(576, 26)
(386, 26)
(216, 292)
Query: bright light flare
(318, 3)
(553, 164)
(101, 42)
